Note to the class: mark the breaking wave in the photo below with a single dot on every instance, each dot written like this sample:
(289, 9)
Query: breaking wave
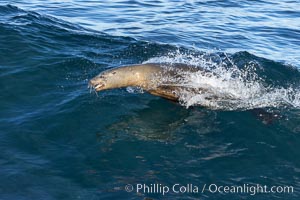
(232, 85)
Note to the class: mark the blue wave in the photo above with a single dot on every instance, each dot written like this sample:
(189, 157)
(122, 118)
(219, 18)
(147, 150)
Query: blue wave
(59, 141)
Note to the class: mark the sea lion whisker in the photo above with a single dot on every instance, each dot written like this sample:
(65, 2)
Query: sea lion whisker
(96, 93)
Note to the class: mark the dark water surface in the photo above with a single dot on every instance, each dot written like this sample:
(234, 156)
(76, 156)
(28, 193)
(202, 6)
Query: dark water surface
(59, 141)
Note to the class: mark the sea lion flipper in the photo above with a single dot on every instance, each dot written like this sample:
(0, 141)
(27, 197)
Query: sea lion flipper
(168, 92)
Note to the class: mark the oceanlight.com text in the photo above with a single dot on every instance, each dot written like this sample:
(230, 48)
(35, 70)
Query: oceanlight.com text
(250, 189)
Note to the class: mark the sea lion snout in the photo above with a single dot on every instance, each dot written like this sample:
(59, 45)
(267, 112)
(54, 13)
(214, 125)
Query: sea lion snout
(97, 83)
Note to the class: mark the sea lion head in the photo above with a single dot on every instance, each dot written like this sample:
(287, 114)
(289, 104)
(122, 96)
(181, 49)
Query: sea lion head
(134, 75)
(109, 79)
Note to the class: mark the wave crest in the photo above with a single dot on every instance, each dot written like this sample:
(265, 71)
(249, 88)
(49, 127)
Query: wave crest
(227, 85)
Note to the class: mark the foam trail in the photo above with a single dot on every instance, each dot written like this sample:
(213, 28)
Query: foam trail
(226, 86)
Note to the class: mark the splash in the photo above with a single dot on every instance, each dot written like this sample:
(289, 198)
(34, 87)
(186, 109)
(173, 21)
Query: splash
(228, 86)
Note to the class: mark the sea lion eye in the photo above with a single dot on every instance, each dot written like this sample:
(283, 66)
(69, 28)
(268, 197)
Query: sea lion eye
(114, 72)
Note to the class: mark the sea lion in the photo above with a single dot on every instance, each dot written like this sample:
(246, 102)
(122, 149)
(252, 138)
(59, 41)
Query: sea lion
(164, 80)
(169, 81)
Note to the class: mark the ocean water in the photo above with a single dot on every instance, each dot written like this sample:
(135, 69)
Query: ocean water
(58, 140)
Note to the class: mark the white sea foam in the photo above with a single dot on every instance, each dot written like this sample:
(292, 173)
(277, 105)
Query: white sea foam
(226, 86)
